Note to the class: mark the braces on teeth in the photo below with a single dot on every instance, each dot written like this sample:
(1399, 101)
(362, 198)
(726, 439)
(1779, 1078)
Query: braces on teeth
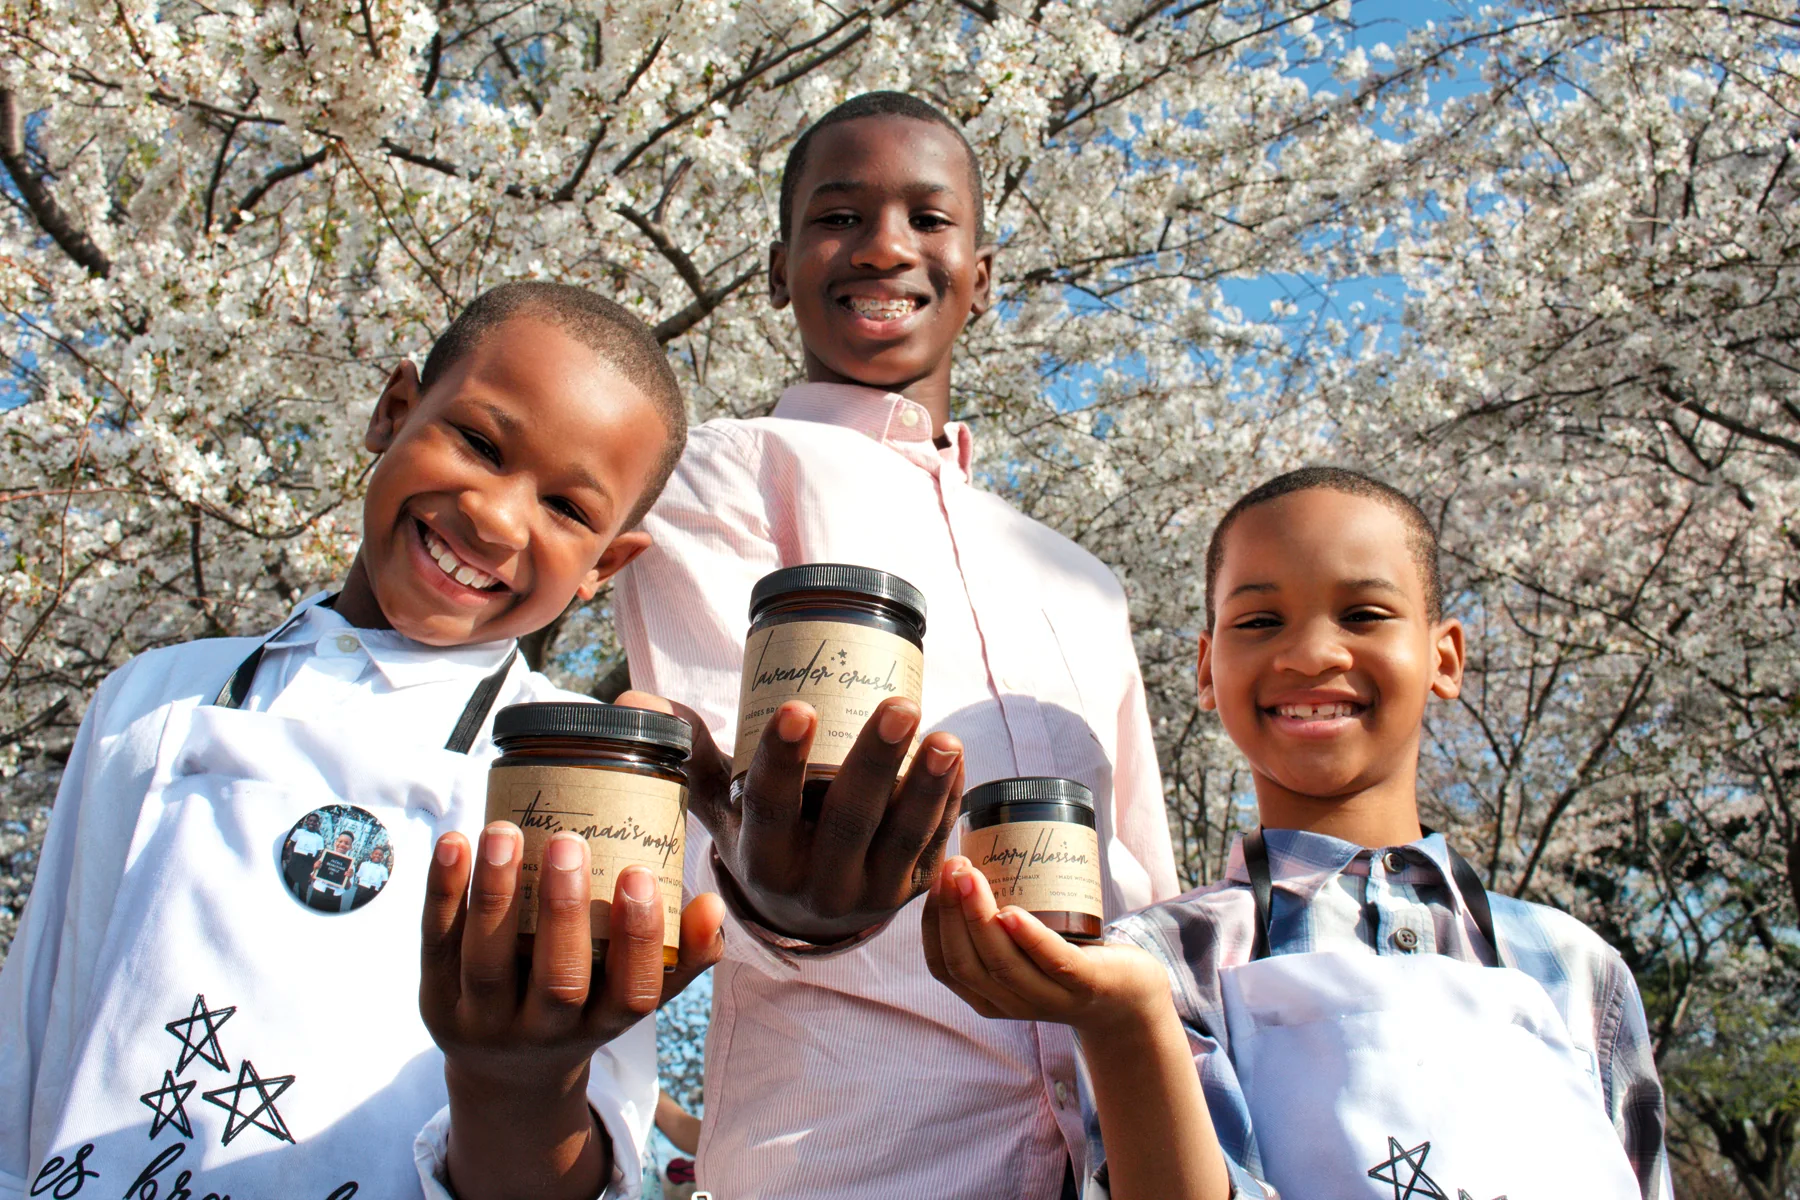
(886, 310)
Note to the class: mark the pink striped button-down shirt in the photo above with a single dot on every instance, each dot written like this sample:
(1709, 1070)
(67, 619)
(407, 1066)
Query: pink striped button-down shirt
(856, 1074)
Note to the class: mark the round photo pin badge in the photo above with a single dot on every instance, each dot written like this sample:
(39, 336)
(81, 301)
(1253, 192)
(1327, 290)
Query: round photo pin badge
(337, 858)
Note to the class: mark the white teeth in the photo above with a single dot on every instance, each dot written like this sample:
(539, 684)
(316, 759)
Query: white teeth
(1316, 712)
(453, 566)
(881, 310)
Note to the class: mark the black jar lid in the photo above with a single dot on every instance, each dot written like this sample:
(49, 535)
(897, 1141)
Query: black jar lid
(574, 719)
(1029, 789)
(839, 577)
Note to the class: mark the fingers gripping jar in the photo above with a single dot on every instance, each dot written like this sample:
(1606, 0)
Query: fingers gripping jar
(614, 775)
(841, 638)
(1035, 840)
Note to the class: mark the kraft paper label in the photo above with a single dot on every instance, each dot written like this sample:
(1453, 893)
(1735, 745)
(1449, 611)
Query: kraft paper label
(842, 670)
(628, 820)
(1041, 866)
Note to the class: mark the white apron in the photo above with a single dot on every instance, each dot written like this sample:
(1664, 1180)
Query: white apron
(1383, 1078)
(243, 1045)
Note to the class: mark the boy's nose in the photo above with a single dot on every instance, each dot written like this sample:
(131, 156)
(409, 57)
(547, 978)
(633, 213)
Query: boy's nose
(498, 515)
(1313, 649)
(887, 245)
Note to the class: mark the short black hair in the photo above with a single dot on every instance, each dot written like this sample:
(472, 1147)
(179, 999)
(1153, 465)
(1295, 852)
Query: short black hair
(876, 104)
(1421, 539)
(612, 332)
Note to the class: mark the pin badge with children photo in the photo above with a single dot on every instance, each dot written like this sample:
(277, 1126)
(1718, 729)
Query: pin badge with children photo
(336, 859)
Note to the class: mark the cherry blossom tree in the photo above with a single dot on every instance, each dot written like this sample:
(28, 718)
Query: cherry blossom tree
(227, 222)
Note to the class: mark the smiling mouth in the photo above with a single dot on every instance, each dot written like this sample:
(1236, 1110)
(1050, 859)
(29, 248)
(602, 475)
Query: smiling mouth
(875, 308)
(453, 566)
(1317, 712)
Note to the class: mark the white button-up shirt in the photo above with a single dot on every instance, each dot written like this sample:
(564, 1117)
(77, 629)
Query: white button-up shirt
(319, 669)
(857, 1074)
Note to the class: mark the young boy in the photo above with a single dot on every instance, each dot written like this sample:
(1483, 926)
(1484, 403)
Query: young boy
(833, 1058)
(1366, 1021)
(166, 1026)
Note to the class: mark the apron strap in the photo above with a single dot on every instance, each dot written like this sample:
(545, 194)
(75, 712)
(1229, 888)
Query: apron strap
(462, 737)
(481, 702)
(1262, 889)
(237, 688)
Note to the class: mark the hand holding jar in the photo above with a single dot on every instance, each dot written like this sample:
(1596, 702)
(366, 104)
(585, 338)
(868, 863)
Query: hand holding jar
(831, 818)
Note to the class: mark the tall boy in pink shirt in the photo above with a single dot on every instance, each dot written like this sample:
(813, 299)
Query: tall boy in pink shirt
(835, 1064)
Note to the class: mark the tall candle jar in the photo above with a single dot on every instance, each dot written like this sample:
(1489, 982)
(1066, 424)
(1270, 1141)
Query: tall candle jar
(1035, 840)
(843, 639)
(614, 775)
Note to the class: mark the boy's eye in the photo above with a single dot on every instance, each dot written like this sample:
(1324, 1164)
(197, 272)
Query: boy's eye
(1259, 621)
(569, 509)
(837, 220)
(1364, 616)
(930, 222)
(481, 445)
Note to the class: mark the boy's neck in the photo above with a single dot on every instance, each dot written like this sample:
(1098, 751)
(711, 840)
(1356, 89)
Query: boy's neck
(931, 392)
(356, 599)
(1384, 815)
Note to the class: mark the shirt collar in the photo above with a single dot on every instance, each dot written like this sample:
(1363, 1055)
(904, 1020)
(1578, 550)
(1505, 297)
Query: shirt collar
(1303, 862)
(401, 661)
(887, 417)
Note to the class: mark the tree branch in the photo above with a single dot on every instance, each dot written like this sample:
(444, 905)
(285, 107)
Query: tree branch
(254, 196)
(673, 327)
(48, 213)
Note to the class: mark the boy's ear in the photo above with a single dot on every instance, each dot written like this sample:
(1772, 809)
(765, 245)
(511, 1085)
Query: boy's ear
(778, 285)
(620, 551)
(1209, 699)
(1451, 652)
(981, 296)
(399, 397)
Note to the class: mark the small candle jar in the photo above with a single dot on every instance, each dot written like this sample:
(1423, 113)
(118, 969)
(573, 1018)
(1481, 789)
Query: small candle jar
(1035, 840)
(613, 775)
(841, 638)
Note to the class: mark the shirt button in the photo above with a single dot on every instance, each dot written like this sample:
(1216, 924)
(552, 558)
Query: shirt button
(909, 417)
(1394, 862)
(1405, 939)
(347, 643)
(1062, 1094)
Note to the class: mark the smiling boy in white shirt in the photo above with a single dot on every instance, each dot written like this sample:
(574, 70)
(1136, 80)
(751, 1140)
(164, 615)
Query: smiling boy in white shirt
(164, 979)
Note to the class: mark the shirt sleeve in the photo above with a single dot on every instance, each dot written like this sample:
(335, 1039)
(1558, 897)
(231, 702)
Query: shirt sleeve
(682, 611)
(682, 607)
(1225, 1102)
(1634, 1092)
(621, 1091)
(28, 979)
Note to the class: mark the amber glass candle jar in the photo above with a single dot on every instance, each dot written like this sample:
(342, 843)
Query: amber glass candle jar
(839, 637)
(614, 775)
(1035, 840)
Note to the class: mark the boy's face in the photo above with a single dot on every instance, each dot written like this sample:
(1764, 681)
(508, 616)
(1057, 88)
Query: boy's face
(1323, 652)
(881, 263)
(343, 843)
(500, 491)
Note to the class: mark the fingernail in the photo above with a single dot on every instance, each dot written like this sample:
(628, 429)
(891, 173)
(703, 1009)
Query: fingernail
(939, 761)
(965, 883)
(897, 721)
(791, 724)
(638, 885)
(564, 852)
(1009, 917)
(497, 845)
(446, 852)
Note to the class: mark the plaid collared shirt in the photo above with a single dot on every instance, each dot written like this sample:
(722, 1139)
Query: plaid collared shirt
(1332, 895)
